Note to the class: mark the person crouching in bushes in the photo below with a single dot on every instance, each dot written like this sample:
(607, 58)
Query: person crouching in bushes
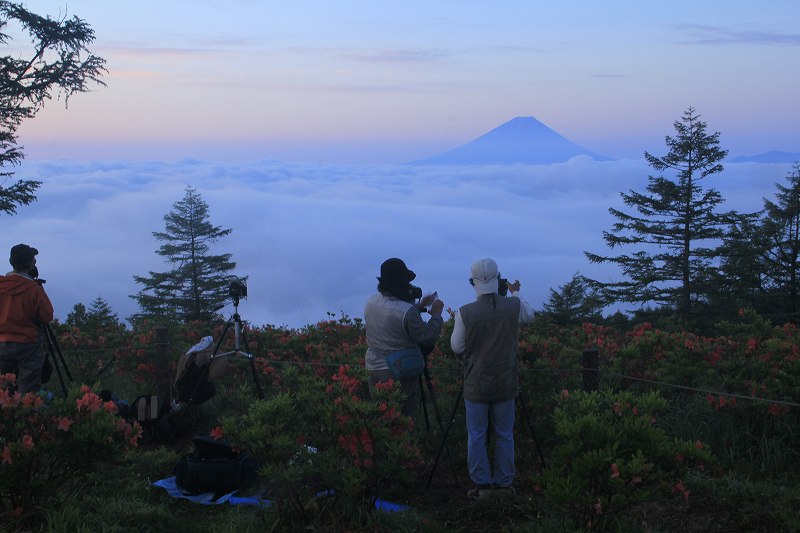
(485, 334)
(395, 328)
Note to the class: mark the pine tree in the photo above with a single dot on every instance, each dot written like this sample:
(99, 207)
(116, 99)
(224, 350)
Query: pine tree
(781, 228)
(574, 302)
(59, 62)
(741, 281)
(676, 230)
(762, 259)
(199, 282)
(97, 318)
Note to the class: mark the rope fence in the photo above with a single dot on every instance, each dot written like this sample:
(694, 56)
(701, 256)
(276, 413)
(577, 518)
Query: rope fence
(590, 370)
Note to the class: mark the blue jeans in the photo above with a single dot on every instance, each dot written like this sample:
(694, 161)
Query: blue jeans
(501, 415)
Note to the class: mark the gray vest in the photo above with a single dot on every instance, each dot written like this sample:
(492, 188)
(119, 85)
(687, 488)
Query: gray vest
(490, 360)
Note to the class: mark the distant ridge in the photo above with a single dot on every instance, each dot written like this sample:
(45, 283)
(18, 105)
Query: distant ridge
(522, 140)
(768, 157)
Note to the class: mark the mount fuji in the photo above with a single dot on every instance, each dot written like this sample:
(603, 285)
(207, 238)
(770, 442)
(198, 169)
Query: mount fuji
(521, 140)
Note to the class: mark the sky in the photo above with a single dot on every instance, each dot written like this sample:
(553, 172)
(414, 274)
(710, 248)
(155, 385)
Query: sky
(357, 81)
(293, 119)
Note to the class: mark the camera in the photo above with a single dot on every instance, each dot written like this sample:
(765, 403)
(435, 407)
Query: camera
(415, 292)
(502, 286)
(237, 290)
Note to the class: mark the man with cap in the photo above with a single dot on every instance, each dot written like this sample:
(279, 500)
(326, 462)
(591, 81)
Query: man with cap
(393, 323)
(24, 308)
(485, 336)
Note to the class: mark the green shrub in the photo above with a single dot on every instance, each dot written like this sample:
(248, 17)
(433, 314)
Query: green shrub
(48, 448)
(326, 449)
(611, 455)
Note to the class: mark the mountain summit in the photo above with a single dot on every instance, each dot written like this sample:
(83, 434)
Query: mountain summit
(522, 140)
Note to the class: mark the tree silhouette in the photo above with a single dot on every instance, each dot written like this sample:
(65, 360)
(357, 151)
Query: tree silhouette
(57, 62)
(676, 229)
(199, 282)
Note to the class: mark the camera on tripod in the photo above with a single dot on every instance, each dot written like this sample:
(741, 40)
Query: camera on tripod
(237, 290)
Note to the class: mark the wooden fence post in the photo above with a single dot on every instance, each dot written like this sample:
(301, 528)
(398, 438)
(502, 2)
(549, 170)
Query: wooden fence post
(163, 367)
(591, 370)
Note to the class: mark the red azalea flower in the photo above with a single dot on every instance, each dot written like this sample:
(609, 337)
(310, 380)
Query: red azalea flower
(216, 432)
(31, 399)
(64, 423)
(7, 380)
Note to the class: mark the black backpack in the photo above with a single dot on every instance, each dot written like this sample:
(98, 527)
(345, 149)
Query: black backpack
(214, 466)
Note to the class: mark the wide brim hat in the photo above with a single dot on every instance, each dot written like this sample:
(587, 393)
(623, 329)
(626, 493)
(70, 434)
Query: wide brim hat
(395, 272)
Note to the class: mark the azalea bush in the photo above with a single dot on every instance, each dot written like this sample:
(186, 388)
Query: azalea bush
(612, 455)
(49, 445)
(327, 449)
(324, 444)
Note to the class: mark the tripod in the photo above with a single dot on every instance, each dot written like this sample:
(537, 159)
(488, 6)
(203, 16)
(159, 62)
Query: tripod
(443, 444)
(54, 353)
(235, 322)
(427, 375)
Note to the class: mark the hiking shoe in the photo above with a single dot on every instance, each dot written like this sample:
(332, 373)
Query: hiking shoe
(504, 492)
(480, 492)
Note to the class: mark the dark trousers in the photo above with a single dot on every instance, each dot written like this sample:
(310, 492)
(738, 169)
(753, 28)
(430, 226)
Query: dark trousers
(409, 388)
(25, 359)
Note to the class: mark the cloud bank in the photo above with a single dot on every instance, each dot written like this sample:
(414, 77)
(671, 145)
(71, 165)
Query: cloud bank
(311, 238)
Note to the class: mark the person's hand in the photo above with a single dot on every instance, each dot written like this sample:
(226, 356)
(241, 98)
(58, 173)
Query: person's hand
(514, 287)
(436, 307)
(427, 300)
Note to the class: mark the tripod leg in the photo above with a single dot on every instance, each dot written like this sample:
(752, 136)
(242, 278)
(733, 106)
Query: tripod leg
(530, 426)
(424, 404)
(58, 371)
(54, 343)
(48, 341)
(429, 383)
(444, 437)
(252, 366)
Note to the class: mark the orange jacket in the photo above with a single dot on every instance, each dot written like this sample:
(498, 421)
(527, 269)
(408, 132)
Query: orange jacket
(24, 306)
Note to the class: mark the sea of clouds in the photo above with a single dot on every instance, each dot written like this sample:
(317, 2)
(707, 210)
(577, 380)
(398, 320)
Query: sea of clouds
(311, 238)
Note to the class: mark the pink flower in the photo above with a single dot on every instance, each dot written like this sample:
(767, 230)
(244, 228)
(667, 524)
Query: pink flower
(216, 432)
(7, 380)
(6, 455)
(64, 423)
(89, 401)
(27, 442)
(680, 488)
(32, 399)
(6, 399)
(614, 471)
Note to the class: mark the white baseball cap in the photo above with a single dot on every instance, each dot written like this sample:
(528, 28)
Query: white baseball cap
(484, 276)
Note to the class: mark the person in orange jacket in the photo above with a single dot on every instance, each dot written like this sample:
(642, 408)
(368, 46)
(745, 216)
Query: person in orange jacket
(24, 309)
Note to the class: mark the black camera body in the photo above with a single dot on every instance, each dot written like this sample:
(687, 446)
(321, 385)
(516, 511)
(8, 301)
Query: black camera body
(237, 290)
(502, 286)
(415, 292)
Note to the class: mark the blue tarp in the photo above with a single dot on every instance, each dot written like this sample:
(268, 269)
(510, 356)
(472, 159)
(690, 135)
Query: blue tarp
(207, 498)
